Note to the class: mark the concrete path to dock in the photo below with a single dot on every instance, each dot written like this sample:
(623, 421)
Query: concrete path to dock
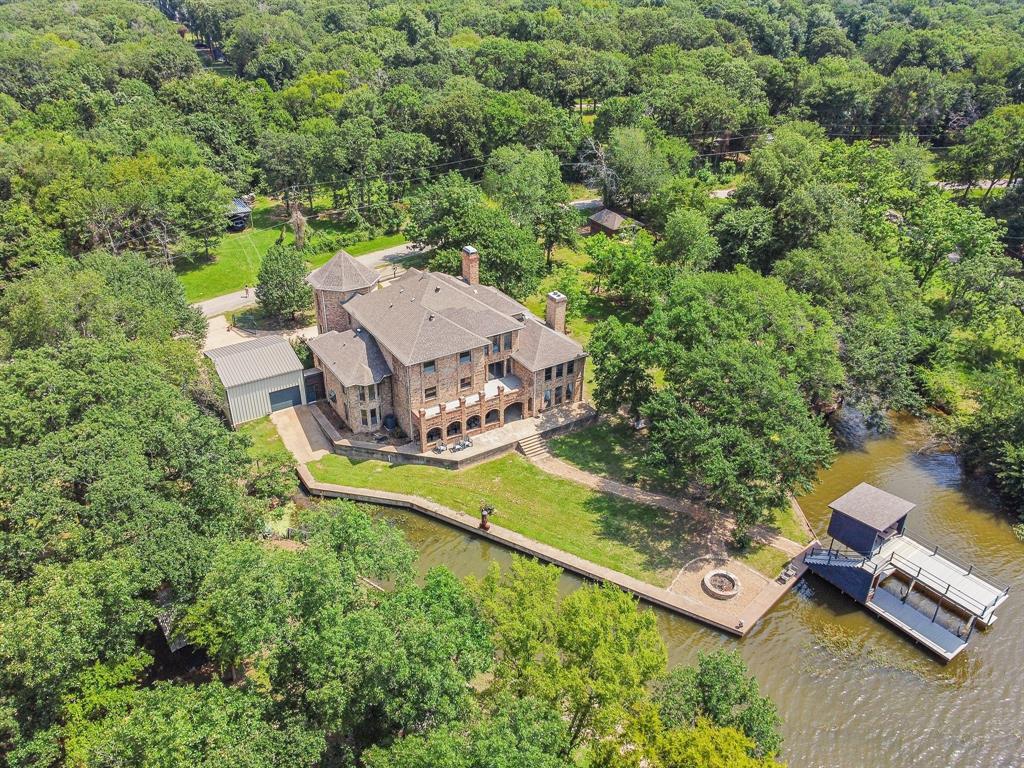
(718, 614)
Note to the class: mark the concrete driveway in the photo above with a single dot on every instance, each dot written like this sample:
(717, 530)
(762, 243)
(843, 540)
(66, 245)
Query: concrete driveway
(300, 434)
(219, 334)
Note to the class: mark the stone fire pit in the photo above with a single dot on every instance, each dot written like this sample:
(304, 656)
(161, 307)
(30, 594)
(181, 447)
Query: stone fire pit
(720, 584)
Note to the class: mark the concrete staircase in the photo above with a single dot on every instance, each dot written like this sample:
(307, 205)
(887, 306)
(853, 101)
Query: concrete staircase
(534, 448)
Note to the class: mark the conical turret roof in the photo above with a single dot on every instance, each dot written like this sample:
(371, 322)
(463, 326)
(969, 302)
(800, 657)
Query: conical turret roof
(342, 273)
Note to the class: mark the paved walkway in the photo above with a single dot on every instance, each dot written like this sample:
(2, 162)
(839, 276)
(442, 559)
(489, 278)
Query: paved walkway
(380, 259)
(736, 618)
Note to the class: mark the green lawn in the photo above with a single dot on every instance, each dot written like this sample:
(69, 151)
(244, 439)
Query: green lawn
(638, 540)
(765, 559)
(579, 191)
(237, 257)
(609, 449)
(788, 526)
(612, 449)
(267, 445)
(265, 440)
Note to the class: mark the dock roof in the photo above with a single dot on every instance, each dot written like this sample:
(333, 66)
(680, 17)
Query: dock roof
(872, 506)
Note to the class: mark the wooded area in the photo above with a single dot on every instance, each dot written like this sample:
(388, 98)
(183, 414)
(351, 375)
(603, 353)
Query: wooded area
(839, 273)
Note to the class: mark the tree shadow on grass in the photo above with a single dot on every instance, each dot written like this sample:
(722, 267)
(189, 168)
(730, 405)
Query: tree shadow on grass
(666, 540)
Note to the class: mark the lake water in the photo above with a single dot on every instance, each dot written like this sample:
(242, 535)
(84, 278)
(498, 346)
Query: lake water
(853, 692)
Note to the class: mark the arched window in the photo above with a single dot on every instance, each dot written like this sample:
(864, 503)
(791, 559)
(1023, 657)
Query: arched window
(514, 412)
(434, 435)
(455, 428)
(473, 422)
(492, 417)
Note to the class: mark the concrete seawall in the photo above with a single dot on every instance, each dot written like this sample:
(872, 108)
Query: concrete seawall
(663, 598)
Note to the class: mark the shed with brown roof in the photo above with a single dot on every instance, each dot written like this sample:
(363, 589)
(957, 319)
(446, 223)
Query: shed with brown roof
(607, 221)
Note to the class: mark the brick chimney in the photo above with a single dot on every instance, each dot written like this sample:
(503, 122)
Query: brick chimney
(470, 265)
(554, 313)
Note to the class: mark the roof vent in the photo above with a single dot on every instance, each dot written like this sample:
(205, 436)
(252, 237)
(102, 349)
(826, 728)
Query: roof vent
(431, 316)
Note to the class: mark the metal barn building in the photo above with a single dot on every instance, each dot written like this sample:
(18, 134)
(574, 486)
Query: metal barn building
(259, 376)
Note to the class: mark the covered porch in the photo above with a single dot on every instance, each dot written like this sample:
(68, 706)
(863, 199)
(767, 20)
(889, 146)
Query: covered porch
(501, 401)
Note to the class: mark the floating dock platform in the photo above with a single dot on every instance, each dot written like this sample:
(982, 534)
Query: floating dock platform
(928, 594)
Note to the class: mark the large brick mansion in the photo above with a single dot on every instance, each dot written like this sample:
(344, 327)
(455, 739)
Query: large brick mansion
(442, 356)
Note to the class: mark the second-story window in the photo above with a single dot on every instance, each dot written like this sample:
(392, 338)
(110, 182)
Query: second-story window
(496, 345)
(430, 393)
(430, 366)
(570, 367)
(466, 382)
(558, 371)
(508, 341)
(465, 357)
(547, 374)
(371, 392)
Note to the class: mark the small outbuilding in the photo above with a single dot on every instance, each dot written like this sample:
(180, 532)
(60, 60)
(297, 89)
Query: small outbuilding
(608, 222)
(260, 375)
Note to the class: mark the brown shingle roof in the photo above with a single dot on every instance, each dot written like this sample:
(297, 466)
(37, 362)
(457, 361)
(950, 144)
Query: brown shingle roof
(353, 357)
(423, 315)
(540, 346)
(489, 295)
(872, 506)
(608, 219)
(342, 273)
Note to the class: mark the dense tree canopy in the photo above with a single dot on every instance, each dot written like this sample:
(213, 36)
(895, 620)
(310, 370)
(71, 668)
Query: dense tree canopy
(800, 253)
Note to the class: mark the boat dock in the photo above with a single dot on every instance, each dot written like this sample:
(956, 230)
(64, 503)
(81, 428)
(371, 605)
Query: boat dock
(926, 593)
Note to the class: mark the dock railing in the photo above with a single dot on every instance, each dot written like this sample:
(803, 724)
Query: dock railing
(968, 568)
(916, 572)
(940, 586)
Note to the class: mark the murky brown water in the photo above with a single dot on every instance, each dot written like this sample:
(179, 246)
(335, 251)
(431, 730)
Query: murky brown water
(853, 692)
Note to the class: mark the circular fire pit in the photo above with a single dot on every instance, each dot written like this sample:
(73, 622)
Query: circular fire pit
(721, 585)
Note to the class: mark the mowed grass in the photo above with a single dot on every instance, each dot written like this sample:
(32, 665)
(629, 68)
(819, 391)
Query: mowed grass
(609, 448)
(266, 445)
(765, 559)
(787, 524)
(266, 441)
(237, 257)
(613, 449)
(645, 542)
